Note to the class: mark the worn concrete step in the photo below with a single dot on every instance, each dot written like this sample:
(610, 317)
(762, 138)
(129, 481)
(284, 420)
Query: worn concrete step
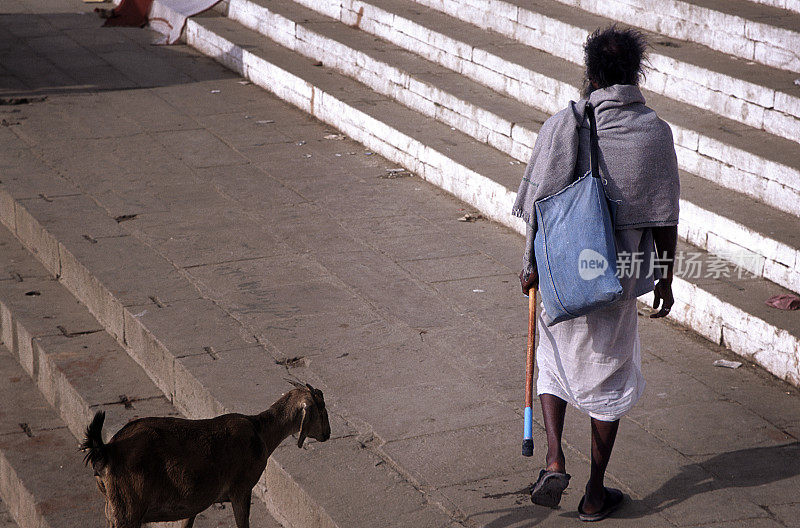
(722, 302)
(723, 150)
(195, 353)
(742, 28)
(6, 521)
(79, 369)
(771, 250)
(761, 239)
(43, 480)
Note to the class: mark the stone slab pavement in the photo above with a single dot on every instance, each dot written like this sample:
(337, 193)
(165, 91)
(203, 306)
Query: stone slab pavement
(365, 282)
(6, 521)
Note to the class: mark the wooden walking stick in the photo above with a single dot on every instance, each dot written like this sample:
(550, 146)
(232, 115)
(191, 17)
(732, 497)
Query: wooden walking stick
(527, 437)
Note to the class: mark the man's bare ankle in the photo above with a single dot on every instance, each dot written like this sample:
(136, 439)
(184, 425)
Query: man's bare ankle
(593, 499)
(558, 465)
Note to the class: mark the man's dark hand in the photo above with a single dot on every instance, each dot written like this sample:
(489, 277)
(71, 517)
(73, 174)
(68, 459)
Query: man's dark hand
(531, 280)
(662, 295)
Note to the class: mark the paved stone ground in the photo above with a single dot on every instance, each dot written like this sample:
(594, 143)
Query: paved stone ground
(6, 521)
(367, 283)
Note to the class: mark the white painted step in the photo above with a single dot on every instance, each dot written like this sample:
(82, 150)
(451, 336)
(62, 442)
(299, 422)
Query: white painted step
(729, 153)
(493, 118)
(480, 176)
(761, 96)
(741, 28)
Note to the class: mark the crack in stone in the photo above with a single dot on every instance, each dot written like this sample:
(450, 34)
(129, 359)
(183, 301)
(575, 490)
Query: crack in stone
(67, 333)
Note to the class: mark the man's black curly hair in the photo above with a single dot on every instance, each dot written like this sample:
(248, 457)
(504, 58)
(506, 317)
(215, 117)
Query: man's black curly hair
(614, 56)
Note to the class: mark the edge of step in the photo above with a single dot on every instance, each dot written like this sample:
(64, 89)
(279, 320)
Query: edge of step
(6, 521)
(724, 156)
(777, 260)
(198, 383)
(697, 69)
(487, 196)
(789, 5)
(77, 372)
(42, 478)
(285, 499)
(741, 29)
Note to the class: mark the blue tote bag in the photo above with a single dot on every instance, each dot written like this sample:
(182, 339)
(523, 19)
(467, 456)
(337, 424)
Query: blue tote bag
(574, 246)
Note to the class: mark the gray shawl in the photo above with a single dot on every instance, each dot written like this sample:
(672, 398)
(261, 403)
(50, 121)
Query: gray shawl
(637, 159)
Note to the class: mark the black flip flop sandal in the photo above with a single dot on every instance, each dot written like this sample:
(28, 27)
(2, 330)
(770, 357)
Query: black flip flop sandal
(548, 488)
(612, 501)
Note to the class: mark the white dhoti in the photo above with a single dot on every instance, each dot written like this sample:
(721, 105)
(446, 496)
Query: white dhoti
(593, 362)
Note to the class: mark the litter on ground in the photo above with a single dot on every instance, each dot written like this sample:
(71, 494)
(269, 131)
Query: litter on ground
(727, 364)
(470, 217)
(784, 301)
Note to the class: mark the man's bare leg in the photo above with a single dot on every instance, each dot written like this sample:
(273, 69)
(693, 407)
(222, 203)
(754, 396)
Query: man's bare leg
(603, 436)
(553, 411)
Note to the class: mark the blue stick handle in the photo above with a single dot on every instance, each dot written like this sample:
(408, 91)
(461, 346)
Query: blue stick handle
(527, 435)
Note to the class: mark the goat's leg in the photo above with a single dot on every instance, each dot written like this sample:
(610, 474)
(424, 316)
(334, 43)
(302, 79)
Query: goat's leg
(123, 518)
(241, 508)
(126, 521)
(188, 523)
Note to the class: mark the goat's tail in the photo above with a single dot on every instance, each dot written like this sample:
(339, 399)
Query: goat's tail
(93, 443)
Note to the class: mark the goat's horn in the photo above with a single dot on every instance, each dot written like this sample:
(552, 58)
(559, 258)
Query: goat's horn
(296, 384)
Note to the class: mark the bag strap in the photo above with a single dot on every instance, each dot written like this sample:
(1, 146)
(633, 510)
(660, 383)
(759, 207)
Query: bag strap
(594, 148)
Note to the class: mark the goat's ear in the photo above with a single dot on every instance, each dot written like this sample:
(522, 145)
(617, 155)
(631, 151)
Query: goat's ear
(303, 415)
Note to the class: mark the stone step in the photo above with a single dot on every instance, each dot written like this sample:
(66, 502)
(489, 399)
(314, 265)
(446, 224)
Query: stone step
(722, 227)
(742, 28)
(742, 158)
(204, 361)
(77, 366)
(78, 369)
(474, 172)
(480, 176)
(6, 521)
(43, 481)
(477, 174)
(789, 5)
(761, 96)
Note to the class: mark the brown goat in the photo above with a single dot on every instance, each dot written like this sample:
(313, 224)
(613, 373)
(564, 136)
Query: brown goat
(169, 469)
